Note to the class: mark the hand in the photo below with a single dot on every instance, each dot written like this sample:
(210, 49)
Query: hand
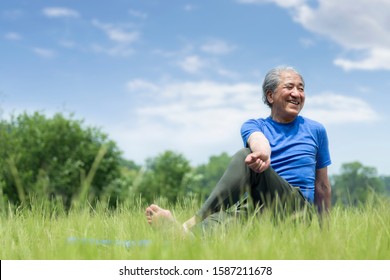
(258, 161)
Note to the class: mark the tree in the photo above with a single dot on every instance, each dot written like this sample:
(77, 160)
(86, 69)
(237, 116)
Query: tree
(123, 188)
(386, 182)
(55, 158)
(209, 174)
(356, 183)
(164, 176)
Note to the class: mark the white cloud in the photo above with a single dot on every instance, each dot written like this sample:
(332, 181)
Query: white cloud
(45, 53)
(67, 44)
(376, 59)
(331, 108)
(119, 35)
(138, 14)
(356, 25)
(195, 64)
(140, 85)
(192, 64)
(195, 118)
(218, 47)
(307, 42)
(116, 33)
(227, 73)
(200, 59)
(13, 36)
(282, 3)
(55, 12)
(189, 7)
(117, 50)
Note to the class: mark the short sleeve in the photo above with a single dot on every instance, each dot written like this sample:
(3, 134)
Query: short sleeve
(323, 155)
(249, 127)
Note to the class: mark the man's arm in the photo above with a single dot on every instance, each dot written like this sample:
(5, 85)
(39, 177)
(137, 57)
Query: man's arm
(260, 158)
(322, 193)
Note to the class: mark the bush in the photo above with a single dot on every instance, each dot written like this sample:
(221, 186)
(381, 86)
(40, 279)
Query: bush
(54, 158)
(164, 176)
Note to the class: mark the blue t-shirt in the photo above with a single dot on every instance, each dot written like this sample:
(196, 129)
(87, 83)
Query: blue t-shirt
(297, 149)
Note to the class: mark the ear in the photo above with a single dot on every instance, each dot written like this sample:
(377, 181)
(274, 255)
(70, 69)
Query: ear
(270, 97)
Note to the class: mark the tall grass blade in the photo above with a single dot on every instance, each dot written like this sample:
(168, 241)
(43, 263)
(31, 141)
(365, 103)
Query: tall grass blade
(86, 183)
(17, 180)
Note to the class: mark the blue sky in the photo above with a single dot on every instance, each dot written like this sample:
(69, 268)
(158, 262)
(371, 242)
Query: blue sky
(184, 75)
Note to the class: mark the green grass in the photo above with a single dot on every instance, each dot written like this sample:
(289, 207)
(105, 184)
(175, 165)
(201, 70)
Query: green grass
(43, 232)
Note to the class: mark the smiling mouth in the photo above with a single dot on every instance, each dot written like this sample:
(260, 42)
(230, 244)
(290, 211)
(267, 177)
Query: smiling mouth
(294, 102)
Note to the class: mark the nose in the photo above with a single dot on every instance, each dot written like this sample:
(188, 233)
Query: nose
(295, 92)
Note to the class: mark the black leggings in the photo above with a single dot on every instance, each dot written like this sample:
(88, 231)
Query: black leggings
(266, 189)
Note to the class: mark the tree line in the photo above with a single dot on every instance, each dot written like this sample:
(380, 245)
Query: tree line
(62, 159)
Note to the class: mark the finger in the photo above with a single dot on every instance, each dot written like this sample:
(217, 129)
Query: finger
(261, 165)
(264, 166)
(256, 167)
(250, 159)
(259, 162)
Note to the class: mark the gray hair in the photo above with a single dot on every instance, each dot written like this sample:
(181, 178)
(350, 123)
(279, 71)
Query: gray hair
(272, 80)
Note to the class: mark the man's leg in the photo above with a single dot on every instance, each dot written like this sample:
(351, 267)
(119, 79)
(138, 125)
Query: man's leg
(234, 183)
(264, 189)
(271, 191)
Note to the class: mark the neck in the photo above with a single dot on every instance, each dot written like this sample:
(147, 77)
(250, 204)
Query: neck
(282, 120)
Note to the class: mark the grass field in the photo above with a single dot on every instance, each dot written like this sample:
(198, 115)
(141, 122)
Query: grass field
(47, 232)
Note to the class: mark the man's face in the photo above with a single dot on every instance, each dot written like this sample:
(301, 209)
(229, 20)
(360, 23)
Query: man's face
(288, 99)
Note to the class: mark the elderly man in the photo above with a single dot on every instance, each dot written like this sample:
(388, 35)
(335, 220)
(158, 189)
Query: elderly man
(284, 162)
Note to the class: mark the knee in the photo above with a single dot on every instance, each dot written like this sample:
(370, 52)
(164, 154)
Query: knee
(242, 154)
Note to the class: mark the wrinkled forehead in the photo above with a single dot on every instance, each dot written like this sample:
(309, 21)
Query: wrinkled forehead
(291, 77)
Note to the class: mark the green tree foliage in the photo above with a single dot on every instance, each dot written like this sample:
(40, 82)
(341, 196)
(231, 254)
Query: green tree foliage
(208, 175)
(356, 184)
(54, 158)
(124, 187)
(164, 176)
(386, 182)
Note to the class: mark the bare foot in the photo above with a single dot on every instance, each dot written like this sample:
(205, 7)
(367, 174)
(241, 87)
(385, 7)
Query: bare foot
(162, 219)
(158, 216)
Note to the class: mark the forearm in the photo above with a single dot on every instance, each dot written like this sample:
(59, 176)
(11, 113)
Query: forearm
(258, 143)
(322, 198)
(259, 159)
(323, 191)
